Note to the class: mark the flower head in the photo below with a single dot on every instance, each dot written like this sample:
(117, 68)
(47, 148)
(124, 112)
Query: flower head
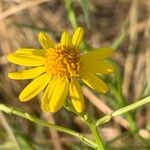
(57, 68)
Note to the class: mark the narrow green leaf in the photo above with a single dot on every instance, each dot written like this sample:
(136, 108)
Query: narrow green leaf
(85, 7)
(71, 12)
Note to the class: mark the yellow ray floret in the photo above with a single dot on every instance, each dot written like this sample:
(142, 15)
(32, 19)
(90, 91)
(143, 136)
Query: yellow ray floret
(55, 94)
(58, 69)
(27, 74)
(26, 60)
(59, 94)
(98, 54)
(65, 39)
(94, 82)
(97, 66)
(45, 40)
(77, 36)
(33, 89)
(76, 95)
(29, 51)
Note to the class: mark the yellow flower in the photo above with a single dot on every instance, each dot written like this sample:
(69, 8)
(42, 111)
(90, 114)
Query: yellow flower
(58, 68)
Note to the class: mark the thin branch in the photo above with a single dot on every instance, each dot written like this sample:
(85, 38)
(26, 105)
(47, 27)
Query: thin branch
(34, 119)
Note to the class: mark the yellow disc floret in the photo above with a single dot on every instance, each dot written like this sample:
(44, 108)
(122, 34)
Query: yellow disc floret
(62, 60)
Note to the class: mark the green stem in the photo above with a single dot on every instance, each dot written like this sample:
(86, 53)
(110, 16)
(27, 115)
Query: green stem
(92, 124)
(123, 110)
(34, 119)
(98, 139)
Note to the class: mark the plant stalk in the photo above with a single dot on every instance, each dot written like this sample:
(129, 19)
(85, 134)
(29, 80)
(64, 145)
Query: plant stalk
(95, 132)
(34, 119)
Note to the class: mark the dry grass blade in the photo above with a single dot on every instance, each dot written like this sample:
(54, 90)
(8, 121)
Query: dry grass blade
(103, 107)
(54, 134)
(147, 52)
(3, 60)
(131, 52)
(20, 7)
(147, 61)
(8, 129)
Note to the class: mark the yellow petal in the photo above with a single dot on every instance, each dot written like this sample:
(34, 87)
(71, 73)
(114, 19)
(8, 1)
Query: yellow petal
(34, 88)
(76, 95)
(77, 36)
(57, 94)
(65, 39)
(27, 74)
(31, 51)
(26, 60)
(96, 66)
(45, 40)
(47, 95)
(98, 54)
(94, 82)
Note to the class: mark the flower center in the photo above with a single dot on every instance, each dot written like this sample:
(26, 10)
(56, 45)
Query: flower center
(63, 61)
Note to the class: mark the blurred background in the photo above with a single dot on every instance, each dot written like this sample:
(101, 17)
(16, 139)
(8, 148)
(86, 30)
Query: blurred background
(121, 24)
